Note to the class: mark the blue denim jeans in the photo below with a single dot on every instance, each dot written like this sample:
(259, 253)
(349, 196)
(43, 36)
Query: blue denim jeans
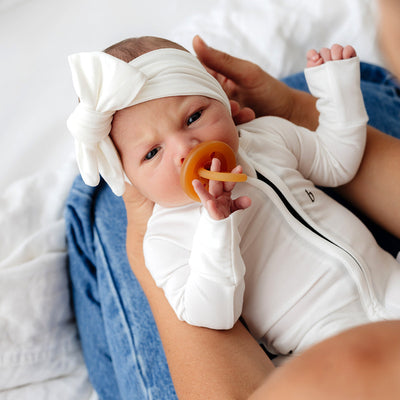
(120, 341)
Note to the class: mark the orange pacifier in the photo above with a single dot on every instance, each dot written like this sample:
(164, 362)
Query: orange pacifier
(198, 162)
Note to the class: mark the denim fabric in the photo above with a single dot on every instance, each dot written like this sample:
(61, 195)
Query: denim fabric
(120, 341)
(119, 337)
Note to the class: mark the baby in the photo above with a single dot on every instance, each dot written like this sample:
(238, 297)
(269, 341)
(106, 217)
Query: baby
(294, 263)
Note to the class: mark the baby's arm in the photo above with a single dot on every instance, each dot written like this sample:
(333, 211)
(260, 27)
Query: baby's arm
(218, 199)
(198, 265)
(334, 153)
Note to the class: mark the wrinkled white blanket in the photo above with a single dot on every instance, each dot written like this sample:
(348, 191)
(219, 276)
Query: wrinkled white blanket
(39, 347)
(277, 34)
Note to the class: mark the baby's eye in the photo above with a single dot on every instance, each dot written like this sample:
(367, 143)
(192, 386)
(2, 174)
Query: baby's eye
(152, 153)
(194, 117)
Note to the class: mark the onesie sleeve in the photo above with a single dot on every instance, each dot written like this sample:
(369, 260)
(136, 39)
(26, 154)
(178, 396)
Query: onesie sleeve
(201, 272)
(340, 138)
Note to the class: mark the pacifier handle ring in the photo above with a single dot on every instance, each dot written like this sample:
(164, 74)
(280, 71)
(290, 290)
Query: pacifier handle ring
(221, 176)
(199, 157)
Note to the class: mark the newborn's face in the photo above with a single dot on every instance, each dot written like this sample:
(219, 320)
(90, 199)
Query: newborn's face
(153, 139)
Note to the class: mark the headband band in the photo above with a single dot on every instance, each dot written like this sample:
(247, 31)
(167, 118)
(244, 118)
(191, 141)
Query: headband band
(105, 84)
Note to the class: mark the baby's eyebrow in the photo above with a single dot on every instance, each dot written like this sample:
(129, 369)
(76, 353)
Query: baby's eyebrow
(144, 138)
(143, 144)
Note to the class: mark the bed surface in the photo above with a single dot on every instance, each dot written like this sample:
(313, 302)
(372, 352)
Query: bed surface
(39, 350)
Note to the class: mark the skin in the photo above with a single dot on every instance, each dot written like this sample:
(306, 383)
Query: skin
(155, 137)
(371, 190)
(371, 364)
(230, 365)
(361, 363)
(389, 33)
(204, 363)
(248, 85)
(336, 52)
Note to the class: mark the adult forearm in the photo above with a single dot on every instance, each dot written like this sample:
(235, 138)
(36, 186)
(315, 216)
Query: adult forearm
(204, 363)
(302, 111)
(359, 363)
(374, 190)
(389, 31)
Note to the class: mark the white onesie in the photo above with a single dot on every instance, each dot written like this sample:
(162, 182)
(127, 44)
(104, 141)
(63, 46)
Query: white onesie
(297, 265)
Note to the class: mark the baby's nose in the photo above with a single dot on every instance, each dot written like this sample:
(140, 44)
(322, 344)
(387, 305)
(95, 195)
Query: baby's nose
(184, 150)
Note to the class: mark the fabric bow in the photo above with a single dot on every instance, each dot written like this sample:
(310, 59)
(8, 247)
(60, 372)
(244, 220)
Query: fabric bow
(105, 84)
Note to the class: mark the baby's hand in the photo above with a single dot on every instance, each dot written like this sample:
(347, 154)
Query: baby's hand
(217, 200)
(336, 52)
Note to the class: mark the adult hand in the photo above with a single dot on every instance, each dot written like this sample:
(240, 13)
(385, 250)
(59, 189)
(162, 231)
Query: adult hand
(241, 114)
(250, 86)
(245, 82)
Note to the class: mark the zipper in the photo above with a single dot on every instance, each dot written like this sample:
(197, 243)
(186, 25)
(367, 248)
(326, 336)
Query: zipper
(372, 307)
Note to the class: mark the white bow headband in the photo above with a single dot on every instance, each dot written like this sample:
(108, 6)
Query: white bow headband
(105, 84)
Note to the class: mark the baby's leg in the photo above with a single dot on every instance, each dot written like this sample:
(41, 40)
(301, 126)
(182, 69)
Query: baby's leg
(336, 52)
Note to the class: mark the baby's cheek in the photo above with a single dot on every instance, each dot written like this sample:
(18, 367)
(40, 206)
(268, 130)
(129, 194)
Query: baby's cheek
(128, 173)
(130, 167)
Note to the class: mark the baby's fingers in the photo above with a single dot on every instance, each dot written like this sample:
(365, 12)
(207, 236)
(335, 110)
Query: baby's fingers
(215, 187)
(201, 191)
(241, 203)
(210, 204)
(228, 186)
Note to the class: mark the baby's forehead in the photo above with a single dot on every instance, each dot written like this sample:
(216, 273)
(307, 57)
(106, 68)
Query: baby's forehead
(131, 120)
(164, 105)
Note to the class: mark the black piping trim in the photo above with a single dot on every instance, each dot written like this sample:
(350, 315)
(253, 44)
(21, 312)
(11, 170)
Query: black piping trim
(289, 207)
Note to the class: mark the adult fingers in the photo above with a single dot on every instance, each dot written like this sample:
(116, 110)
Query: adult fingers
(231, 67)
(241, 115)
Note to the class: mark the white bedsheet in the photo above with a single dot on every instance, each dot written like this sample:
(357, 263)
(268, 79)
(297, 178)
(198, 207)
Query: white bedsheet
(277, 34)
(40, 356)
(39, 350)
